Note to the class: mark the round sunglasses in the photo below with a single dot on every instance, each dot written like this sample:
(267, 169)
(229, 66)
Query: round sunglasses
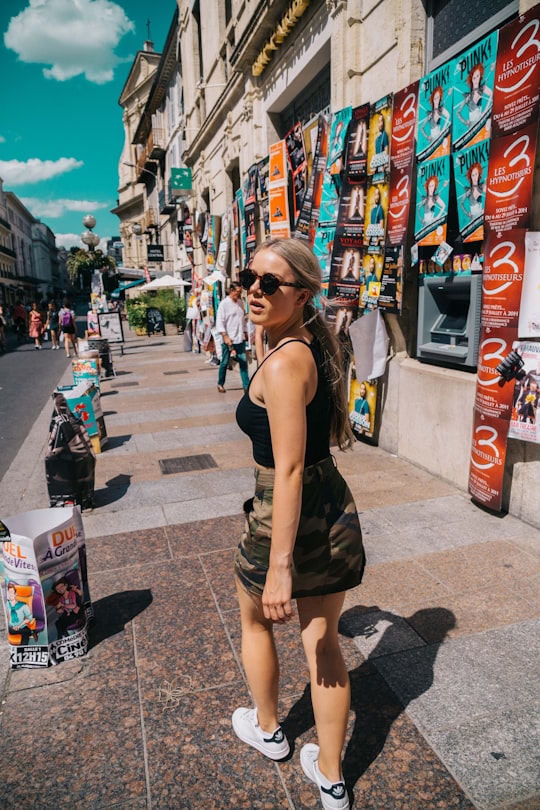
(268, 282)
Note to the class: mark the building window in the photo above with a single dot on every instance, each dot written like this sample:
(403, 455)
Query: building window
(315, 99)
(453, 25)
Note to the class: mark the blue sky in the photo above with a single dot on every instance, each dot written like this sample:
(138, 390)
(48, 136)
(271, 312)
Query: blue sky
(63, 65)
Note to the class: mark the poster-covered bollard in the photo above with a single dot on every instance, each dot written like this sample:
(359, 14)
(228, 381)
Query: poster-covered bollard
(44, 587)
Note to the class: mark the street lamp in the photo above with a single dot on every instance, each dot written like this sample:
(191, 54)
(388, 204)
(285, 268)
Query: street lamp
(90, 239)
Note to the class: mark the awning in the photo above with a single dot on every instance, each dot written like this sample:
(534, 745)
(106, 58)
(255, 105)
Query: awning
(124, 285)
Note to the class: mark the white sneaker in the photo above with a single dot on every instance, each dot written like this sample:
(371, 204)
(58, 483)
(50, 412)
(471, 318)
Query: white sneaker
(333, 797)
(246, 727)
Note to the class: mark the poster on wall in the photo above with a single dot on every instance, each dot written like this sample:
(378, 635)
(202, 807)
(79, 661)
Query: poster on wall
(529, 310)
(322, 248)
(493, 399)
(264, 203)
(402, 145)
(376, 214)
(470, 175)
(372, 273)
(309, 215)
(278, 194)
(352, 210)
(432, 193)
(502, 280)
(517, 75)
(331, 186)
(473, 79)
(380, 130)
(357, 144)
(362, 404)
(434, 114)
(296, 153)
(510, 180)
(391, 291)
(488, 454)
(525, 422)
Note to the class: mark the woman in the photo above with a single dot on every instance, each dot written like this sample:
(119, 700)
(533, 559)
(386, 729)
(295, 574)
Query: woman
(52, 324)
(35, 325)
(437, 120)
(472, 201)
(66, 319)
(478, 100)
(294, 406)
(432, 206)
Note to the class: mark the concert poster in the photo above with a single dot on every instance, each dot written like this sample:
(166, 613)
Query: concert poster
(510, 180)
(352, 209)
(473, 73)
(362, 404)
(470, 176)
(372, 273)
(517, 75)
(380, 131)
(296, 153)
(357, 144)
(432, 193)
(492, 399)
(502, 279)
(434, 114)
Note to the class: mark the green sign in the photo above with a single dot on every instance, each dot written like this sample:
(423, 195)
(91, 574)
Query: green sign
(181, 182)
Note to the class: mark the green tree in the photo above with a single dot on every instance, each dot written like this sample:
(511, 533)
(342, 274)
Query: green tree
(83, 263)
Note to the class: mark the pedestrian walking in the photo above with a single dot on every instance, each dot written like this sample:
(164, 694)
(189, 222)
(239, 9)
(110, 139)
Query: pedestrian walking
(231, 323)
(36, 326)
(53, 324)
(20, 320)
(3, 324)
(302, 539)
(66, 319)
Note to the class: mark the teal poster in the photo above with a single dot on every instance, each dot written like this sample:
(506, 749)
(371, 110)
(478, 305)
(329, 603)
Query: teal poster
(470, 175)
(432, 192)
(473, 75)
(434, 114)
(334, 164)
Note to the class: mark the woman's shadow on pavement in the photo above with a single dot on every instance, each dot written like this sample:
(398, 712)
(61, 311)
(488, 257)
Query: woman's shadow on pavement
(373, 702)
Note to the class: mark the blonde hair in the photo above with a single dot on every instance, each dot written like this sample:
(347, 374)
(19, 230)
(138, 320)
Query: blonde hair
(307, 271)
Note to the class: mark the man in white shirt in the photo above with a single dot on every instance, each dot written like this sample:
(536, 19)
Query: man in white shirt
(231, 323)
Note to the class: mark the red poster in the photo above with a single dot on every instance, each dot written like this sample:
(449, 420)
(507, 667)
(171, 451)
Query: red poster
(403, 127)
(492, 399)
(510, 180)
(488, 454)
(517, 75)
(502, 279)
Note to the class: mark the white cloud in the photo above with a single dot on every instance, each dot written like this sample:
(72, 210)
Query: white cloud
(69, 240)
(53, 209)
(2, 139)
(21, 173)
(74, 37)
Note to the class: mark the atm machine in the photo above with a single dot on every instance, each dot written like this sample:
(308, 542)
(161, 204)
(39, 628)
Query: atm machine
(449, 312)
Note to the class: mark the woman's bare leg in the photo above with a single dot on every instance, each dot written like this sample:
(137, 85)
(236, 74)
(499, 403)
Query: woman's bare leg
(259, 658)
(330, 687)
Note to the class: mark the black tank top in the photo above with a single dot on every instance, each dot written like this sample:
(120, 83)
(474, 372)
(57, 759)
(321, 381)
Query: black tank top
(253, 419)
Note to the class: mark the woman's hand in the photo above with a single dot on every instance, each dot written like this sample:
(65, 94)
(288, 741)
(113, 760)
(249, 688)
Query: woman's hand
(276, 598)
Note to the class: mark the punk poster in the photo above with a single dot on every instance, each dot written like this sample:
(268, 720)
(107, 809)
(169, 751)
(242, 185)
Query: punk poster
(432, 192)
(296, 153)
(380, 130)
(517, 75)
(470, 175)
(402, 145)
(529, 310)
(525, 422)
(357, 144)
(331, 186)
(510, 180)
(434, 114)
(473, 79)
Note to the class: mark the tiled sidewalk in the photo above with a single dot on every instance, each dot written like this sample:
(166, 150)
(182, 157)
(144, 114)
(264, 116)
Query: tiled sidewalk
(441, 639)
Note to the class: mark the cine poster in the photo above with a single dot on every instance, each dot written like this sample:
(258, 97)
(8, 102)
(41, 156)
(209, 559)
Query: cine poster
(362, 404)
(380, 132)
(517, 75)
(510, 180)
(432, 193)
(434, 114)
(470, 176)
(473, 79)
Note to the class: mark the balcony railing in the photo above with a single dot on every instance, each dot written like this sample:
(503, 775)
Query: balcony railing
(8, 252)
(156, 143)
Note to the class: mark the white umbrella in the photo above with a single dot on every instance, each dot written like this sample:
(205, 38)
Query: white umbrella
(166, 282)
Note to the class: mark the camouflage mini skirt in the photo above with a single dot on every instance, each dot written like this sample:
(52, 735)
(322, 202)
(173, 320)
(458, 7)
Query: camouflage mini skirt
(328, 554)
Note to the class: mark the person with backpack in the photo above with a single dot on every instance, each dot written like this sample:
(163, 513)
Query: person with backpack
(66, 319)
